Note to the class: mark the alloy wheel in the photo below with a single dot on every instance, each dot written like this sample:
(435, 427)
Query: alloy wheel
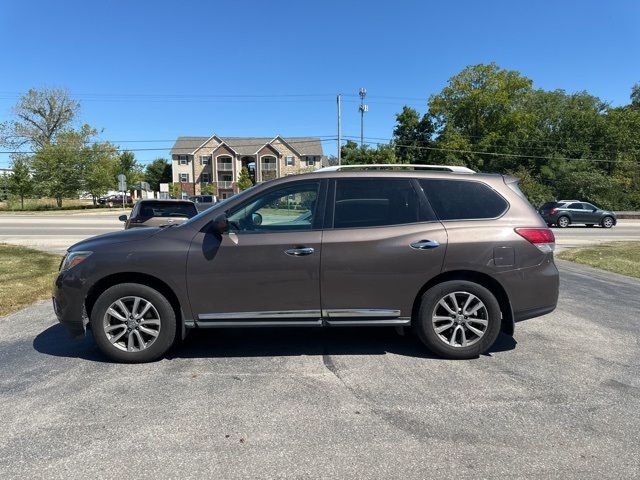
(460, 319)
(131, 324)
(563, 222)
(607, 222)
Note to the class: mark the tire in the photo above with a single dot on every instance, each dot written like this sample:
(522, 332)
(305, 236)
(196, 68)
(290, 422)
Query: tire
(590, 225)
(607, 222)
(425, 326)
(155, 330)
(563, 221)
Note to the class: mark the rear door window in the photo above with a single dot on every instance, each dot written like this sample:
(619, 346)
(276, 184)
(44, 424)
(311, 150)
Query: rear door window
(575, 206)
(463, 200)
(167, 209)
(376, 202)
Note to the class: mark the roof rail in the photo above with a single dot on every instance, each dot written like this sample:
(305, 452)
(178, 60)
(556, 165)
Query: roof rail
(397, 166)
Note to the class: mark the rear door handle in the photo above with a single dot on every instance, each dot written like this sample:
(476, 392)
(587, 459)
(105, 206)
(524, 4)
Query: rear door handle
(299, 252)
(425, 244)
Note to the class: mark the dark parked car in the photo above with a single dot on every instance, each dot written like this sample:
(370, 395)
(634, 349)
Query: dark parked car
(114, 200)
(456, 256)
(157, 213)
(570, 212)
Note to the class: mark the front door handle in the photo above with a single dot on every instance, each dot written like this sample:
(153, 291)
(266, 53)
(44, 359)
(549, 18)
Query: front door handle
(299, 252)
(425, 244)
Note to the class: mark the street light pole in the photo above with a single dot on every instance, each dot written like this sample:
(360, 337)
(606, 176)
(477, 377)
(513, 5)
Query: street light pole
(338, 99)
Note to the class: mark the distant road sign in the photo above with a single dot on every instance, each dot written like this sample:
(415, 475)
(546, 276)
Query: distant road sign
(122, 183)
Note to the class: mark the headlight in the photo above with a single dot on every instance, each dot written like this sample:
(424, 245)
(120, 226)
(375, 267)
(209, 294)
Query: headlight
(72, 259)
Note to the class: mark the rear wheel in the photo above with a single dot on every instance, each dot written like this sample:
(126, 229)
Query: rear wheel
(133, 323)
(458, 319)
(563, 222)
(607, 222)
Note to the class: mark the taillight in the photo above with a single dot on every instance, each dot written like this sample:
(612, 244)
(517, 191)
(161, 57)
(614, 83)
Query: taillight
(542, 238)
(553, 211)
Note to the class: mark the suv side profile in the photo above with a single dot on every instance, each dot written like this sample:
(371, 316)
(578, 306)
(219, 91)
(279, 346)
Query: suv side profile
(456, 256)
(569, 212)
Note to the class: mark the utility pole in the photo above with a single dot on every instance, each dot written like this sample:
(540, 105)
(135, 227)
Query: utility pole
(363, 108)
(338, 99)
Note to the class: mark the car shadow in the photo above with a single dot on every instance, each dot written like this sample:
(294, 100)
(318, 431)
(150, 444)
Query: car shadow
(264, 342)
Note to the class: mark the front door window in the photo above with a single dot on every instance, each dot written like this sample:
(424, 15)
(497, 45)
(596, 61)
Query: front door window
(284, 209)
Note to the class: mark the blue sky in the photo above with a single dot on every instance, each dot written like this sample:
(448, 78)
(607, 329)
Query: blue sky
(150, 71)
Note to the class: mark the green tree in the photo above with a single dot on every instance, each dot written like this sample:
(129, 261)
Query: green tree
(412, 136)
(244, 179)
(157, 172)
(175, 190)
(39, 117)
(129, 167)
(352, 154)
(58, 168)
(635, 95)
(20, 182)
(100, 169)
(208, 189)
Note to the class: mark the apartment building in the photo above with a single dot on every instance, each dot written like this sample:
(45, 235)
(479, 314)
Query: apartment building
(198, 161)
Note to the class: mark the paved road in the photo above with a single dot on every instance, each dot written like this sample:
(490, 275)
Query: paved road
(58, 232)
(559, 401)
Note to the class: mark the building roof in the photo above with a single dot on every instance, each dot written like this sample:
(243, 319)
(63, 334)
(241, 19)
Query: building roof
(250, 145)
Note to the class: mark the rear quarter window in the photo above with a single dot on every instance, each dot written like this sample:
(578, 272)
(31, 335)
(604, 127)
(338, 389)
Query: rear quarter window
(463, 200)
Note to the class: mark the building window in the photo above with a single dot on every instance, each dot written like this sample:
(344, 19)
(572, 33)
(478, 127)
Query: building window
(182, 159)
(310, 162)
(289, 161)
(205, 178)
(205, 159)
(184, 177)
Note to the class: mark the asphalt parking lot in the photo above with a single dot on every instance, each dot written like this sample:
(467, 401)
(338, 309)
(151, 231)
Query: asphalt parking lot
(560, 400)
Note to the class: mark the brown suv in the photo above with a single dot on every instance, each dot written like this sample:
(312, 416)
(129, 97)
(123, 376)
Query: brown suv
(457, 256)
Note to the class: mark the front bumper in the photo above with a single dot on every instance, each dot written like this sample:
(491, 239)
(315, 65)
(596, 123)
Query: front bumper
(68, 303)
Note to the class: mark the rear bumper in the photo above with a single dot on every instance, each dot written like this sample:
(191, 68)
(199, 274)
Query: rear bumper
(532, 291)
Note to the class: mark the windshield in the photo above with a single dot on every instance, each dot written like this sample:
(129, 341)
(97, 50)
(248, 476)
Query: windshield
(222, 203)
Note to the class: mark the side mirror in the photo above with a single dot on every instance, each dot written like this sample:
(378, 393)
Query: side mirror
(256, 218)
(122, 218)
(220, 224)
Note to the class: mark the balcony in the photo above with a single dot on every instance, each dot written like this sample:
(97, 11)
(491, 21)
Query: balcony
(225, 167)
(225, 184)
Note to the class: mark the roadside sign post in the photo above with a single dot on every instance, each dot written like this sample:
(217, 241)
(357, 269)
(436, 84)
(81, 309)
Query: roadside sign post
(122, 186)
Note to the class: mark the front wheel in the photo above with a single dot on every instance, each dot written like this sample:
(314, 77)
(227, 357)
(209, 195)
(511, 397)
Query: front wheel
(607, 222)
(133, 323)
(458, 319)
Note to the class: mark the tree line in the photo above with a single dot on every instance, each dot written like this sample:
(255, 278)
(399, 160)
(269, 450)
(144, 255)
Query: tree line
(61, 160)
(561, 145)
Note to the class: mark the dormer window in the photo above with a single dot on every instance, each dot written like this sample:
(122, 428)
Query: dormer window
(183, 159)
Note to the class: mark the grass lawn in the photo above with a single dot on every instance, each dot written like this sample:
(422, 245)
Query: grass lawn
(618, 257)
(26, 275)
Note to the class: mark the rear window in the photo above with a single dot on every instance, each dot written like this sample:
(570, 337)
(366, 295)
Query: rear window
(166, 209)
(549, 205)
(463, 200)
(373, 202)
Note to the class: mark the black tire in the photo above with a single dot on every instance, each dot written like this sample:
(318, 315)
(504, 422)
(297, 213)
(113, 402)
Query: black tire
(167, 325)
(425, 329)
(607, 222)
(590, 225)
(563, 221)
